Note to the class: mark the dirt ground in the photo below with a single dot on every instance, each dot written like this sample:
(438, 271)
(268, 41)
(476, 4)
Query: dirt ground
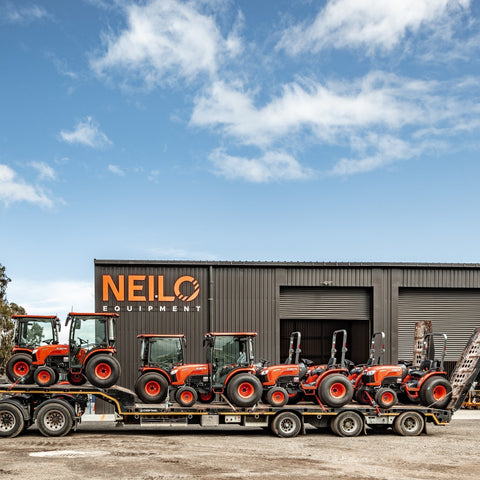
(105, 452)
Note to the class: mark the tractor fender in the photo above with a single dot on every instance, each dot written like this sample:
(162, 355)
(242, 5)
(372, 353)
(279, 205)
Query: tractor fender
(326, 373)
(236, 372)
(62, 401)
(93, 353)
(428, 375)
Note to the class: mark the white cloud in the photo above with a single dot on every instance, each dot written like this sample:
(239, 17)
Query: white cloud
(45, 172)
(86, 133)
(52, 297)
(271, 166)
(22, 14)
(371, 24)
(165, 40)
(13, 189)
(116, 170)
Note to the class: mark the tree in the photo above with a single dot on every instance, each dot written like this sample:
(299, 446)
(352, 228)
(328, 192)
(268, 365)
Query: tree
(6, 311)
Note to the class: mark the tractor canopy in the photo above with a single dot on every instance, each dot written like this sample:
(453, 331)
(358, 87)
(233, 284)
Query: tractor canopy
(161, 351)
(32, 331)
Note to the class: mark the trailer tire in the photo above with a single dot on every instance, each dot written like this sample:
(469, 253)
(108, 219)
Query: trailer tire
(19, 365)
(277, 397)
(103, 371)
(244, 390)
(12, 422)
(54, 419)
(335, 390)
(409, 424)
(186, 396)
(286, 424)
(435, 392)
(386, 397)
(347, 424)
(151, 387)
(45, 376)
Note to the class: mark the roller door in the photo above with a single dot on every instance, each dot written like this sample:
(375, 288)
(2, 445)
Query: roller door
(455, 312)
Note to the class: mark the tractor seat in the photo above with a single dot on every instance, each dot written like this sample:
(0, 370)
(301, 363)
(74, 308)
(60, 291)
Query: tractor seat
(424, 367)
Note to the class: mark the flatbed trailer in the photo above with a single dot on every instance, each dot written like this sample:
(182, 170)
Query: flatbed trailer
(57, 410)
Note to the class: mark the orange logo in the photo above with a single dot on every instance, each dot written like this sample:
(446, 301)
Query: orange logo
(148, 288)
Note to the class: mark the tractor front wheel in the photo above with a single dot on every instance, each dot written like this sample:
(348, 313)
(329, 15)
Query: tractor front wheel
(186, 396)
(103, 371)
(244, 390)
(45, 376)
(277, 397)
(76, 378)
(151, 387)
(386, 397)
(19, 365)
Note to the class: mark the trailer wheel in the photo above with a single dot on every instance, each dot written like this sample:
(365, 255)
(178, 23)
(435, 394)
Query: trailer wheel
(244, 390)
(44, 376)
(12, 422)
(19, 365)
(435, 392)
(76, 378)
(277, 397)
(408, 424)
(54, 420)
(347, 424)
(286, 425)
(335, 390)
(103, 371)
(186, 396)
(386, 397)
(151, 387)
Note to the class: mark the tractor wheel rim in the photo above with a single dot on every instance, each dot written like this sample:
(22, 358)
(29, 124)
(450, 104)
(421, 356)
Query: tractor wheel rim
(186, 397)
(206, 396)
(387, 398)
(338, 390)
(245, 390)
(44, 377)
(439, 392)
(278, 397)
(103, 370)
(152, 388)
(21, 368)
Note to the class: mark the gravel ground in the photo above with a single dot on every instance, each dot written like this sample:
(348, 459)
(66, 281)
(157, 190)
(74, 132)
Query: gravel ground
(101, 451)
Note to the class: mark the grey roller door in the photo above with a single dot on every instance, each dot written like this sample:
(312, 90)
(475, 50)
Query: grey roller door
(455, 312)
(325, 303)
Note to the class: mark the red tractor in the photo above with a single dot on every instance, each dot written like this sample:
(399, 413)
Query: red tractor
(31, 331)
(159, 354)
(229, 370)
(427, 385)
(282, 383)
(88, 356)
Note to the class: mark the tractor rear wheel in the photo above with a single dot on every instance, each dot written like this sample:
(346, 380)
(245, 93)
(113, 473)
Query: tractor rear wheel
(103, 371)
(286, 424)
(277, 397)
(45, 376)
(435, 392)
(386, 397)
(244, 390)
(347, 424)
(408, 424)
(54, 419)
(335, 390)
(151, 387)
(186, 396)
(19, 365)
(12, 422)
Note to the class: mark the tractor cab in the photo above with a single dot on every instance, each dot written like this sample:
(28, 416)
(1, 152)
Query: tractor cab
(159, 351)
(89, 332)
(32, 331)
(228, 352)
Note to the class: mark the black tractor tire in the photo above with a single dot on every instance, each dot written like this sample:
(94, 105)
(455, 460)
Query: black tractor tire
(12, 422)
(76, 378)
(294, 398)
(277, 397)
(45, 376)
(361, 396)
(436, 392)
(335, 390)
(347, 424)
(186, 396)
(409, 424)
(151, 387)
(244, 390)
(206, 397)
(103, 371)
(54, 419)
(386, 397)
(19, 365)
(286, 424)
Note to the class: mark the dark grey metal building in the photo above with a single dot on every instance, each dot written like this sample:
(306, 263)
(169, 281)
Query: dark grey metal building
(275, 299)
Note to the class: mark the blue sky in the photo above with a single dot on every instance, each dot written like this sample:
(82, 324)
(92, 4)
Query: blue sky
(299, 130)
